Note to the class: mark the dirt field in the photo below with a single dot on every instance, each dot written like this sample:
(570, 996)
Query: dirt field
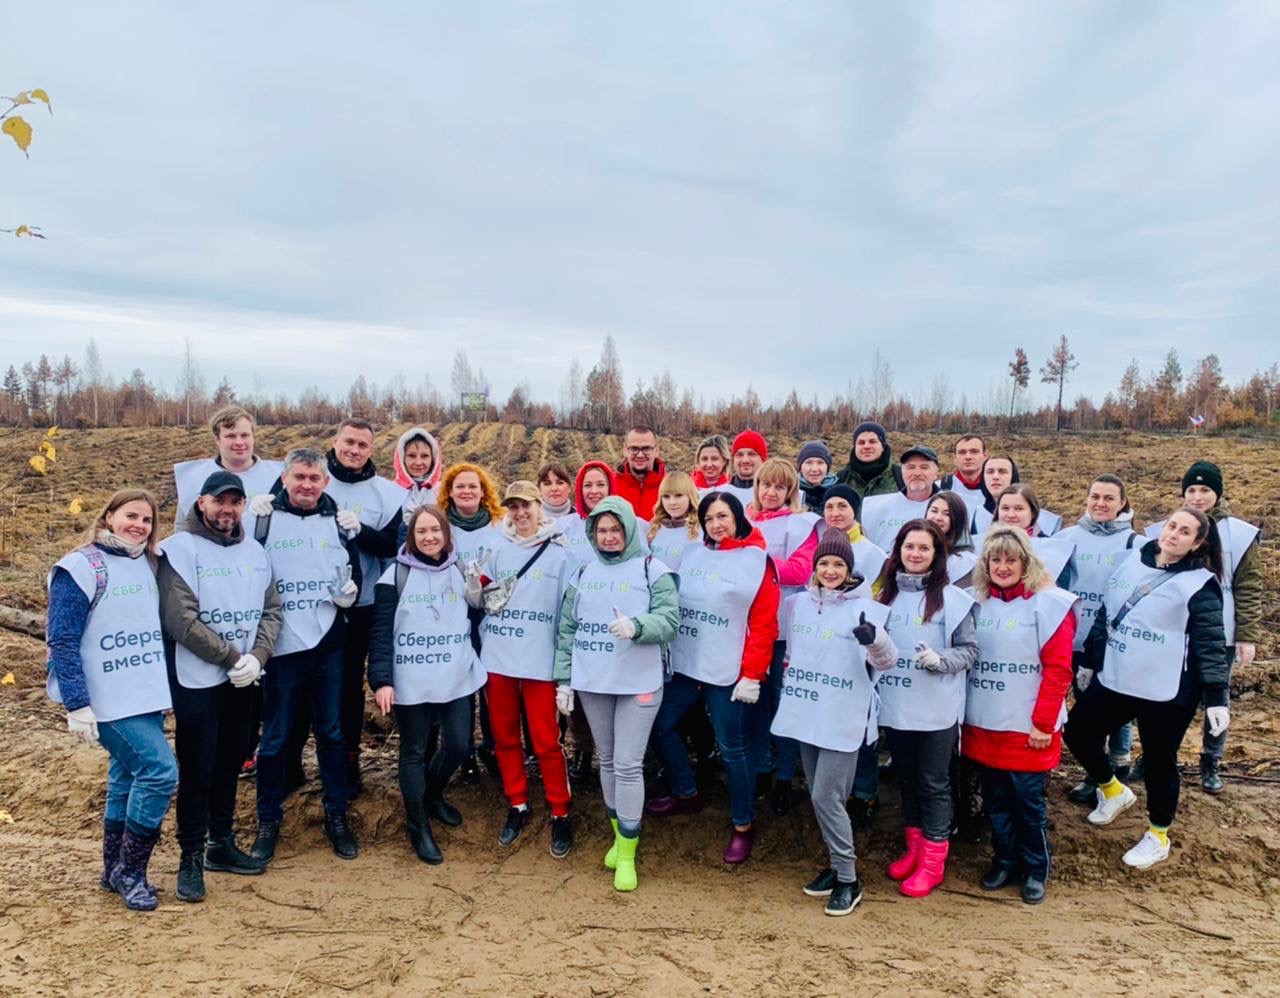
(520, 922)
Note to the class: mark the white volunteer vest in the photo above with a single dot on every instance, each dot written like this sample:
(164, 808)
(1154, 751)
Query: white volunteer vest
(784, 536)
(122, 648)
(600, 662)
(432, 657)
(521, 640)
(376, 501)
(189, 476)
(574, 528)
(973, 498)
(1095, 559)
(1049, 522)
(868, 560)
(229, 583)
(884, 515)
(828, 697)
(473, 545)
(982, 519)
(1005, 680)
(717, 589)
(418, 495)
(306, 553)
(1054, 552)
(670, 543)
(1147, 652)
(911, 697)
(959, 566)
(746, 494)
(1235, 535)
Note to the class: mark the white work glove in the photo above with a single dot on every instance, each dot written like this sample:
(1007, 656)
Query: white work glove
(82, 724)
(348, 521)
(621, 627)
(564, 699)
(926, 657)
(260, 505)
(1219, 719)
(747, 691)
(342, 588)
(247, 671)
(1245, 651)
(1083, 678)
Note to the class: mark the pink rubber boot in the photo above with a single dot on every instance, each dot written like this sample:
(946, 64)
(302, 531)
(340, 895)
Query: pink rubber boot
(929, 874)
(905, 865)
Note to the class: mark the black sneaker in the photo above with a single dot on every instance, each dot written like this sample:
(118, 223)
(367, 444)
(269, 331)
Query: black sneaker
(1084, 792)
(249, 768)
(191, 877)
(822, 885)
(224, 856)
(561, 836)
(844, 898)
(514, 825)
(264, 843)
(341, 837)
(782, 798)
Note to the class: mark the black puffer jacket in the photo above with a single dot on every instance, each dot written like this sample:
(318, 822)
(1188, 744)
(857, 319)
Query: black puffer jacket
(1206, 672)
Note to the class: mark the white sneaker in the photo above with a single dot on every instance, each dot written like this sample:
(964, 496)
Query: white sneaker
(1109, 808)
(1148, 852)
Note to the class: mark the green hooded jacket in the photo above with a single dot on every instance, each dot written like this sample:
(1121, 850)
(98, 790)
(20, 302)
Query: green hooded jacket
(658, 626)
(1246, 584)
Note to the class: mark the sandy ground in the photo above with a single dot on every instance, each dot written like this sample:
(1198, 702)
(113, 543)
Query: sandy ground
(517, 921)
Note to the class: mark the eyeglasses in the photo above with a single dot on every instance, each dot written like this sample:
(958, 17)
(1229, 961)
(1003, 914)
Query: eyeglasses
(641, 451)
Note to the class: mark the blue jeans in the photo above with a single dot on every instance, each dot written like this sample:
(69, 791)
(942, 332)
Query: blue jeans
(1019, 814)
(313, 678)
(1120, 745)
(142, 773)
(760, 718)
(728, 720)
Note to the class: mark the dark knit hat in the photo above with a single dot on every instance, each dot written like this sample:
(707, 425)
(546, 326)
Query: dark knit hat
(870, 426)
(814, 448)
(750, 439)
(846, 493)
(834, 541)
(1204, 473)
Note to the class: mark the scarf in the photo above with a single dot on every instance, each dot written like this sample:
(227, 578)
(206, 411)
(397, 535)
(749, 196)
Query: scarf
(855, 532)
(546, 528)
(555, 512)
(344, 474)
(115, 543)
(874, 469)
(1120, 524)
(480, 518)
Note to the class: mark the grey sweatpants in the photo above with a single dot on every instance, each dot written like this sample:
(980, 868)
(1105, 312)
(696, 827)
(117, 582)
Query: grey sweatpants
(620, 725)
(830, 778)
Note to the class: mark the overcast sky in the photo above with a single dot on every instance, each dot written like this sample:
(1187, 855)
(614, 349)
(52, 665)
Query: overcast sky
(746, 193)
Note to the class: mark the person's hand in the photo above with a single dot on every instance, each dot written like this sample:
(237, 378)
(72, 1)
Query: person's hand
(342, 588)
(926, 657)
(82, 724)
(1083, 678)
(1245, 652)
(385, 698)
(1038, 739)
(260, 505)
(564, 699)
(245, 672)
(747, 691)
(349, 522)
(1219, 719)
(621, 627)
(864, 633)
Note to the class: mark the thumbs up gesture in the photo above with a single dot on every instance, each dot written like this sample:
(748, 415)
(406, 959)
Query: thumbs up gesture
(864, 633)
(621, 627)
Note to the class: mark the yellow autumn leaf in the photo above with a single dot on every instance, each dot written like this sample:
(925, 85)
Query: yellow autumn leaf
(75, 507)
(8, 679)
(50, 433)
(39, 94)
(22, 98)
(38, 462)
(48, 450)
(18, 130)
(6, 818)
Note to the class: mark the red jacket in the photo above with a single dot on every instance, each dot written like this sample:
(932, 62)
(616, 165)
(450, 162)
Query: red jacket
(762, 618)
(642, 493)
(578, 506)
(1009, 749)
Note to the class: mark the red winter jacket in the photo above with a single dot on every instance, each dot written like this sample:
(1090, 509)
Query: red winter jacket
(642, 493)
(1009, 749)
(762, 619)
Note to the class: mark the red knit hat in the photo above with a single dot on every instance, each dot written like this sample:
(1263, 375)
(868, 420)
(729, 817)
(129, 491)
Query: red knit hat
(750, 439)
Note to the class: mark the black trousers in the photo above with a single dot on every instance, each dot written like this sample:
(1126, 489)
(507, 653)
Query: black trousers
(418, 761)
(355, 651)
(212, 739)
(1019, 814)
(922, 764)
(1161, 726)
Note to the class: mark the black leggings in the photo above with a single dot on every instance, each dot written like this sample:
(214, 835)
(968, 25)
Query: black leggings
(1161, 726)
(922, 764)
(415, 722)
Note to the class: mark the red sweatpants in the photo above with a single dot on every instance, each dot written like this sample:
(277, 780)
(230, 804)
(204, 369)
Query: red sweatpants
(539, 696)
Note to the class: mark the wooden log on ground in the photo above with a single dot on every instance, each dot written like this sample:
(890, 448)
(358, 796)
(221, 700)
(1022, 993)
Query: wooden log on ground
(22, 621)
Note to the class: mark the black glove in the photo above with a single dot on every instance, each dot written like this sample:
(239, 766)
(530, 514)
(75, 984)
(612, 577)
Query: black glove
(864, 633)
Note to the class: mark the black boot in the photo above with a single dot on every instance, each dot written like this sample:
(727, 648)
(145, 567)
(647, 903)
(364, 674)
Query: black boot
(1084, 792)
(782, 799)
(1210, 778)
(355, 783)
(561, 836)
(418, 826)
(129, 875)
(341, 837)
(264, 843)
(438, 807)
(999, 873)
(112, 835)
(510, 831)
(224, 856)
(191, 876)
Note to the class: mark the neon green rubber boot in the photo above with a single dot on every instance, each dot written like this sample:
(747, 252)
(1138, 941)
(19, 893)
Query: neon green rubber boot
(611, 857)
(624, 874)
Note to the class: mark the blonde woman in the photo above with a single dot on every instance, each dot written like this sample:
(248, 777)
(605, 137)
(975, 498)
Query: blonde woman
(675, 519)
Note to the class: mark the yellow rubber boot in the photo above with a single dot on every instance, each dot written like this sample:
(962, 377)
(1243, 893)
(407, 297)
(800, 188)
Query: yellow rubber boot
(611, 857)
(624, 874)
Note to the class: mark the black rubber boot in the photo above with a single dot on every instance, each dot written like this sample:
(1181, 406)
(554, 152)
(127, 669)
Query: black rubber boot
(191, 877)
(1210, 778)
(418, 825)
(438, 807)
(112, 836)
(341, 837)
(264, 843)
(224, 856)
(129, 875)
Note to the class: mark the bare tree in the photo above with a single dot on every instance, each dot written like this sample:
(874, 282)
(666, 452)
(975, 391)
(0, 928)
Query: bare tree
(1056, 370)
(881, 386)
(93, 374)
(189, 382)
(1020, 374)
